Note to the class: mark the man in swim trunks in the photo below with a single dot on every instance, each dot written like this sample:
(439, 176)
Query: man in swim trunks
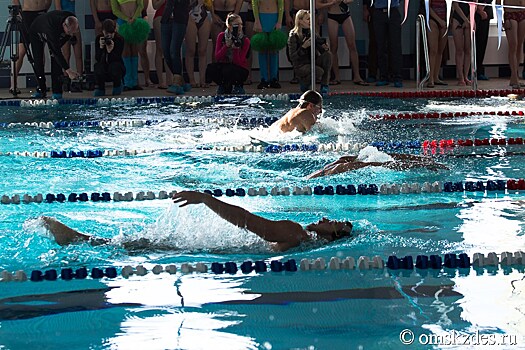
(303, 117)
(282, 234)
(101, 10)
(399, 162)
(31, 9)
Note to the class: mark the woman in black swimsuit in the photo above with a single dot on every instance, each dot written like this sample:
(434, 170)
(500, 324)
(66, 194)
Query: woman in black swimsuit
(198, 30)
(339, 15)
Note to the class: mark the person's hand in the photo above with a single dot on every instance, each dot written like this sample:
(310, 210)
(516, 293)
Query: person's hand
(366, 14)
(72, 74)
(98, 26)
(289, 21)
(102, 42)
(483, 15)
(307, 43)
(188, 197)
(278, 26)
(218, 21)
(131, 20)
(257, 26)
(325, 47)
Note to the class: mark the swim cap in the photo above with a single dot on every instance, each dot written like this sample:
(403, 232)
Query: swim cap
(313, 97)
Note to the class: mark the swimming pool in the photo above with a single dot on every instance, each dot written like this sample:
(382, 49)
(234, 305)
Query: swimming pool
(179, 147)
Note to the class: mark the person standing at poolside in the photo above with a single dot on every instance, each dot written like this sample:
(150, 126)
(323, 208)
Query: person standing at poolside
(339, 16)
(173, 25)
(134, 30)
(514, 25)
(268, 20)
(281, 234)
(31, 9)
(101, 10)
(303, 117)
(160, 66)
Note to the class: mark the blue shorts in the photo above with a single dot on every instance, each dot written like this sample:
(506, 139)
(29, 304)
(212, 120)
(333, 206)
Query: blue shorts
(268, 21)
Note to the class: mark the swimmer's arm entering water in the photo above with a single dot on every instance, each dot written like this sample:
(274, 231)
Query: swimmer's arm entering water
(65, 235)
(283, 232)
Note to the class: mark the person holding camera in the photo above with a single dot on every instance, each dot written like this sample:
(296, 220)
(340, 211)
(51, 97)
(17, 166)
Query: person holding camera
(299, 43)
(230, 69)
(53, 28)
(109, 65)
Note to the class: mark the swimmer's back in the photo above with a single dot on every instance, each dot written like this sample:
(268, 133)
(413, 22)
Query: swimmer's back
(299, 119)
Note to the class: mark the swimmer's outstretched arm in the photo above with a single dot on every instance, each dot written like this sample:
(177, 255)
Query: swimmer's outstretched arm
(282, 231)
(65, 235)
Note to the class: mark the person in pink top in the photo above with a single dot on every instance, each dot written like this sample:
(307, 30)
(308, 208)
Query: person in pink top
(230, 69)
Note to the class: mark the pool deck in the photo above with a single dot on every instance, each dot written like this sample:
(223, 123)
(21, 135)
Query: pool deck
(345, 86)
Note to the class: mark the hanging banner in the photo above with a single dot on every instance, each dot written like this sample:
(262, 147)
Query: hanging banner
(499, 18)
(472, 10)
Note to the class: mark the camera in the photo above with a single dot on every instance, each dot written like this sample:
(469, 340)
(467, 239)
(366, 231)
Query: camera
(306, 33)
(235, 31)
(14, 10)
(108, 40)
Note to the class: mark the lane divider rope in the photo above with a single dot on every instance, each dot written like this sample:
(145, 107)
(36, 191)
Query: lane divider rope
(506, 260)
(443, 115)
(361, 189)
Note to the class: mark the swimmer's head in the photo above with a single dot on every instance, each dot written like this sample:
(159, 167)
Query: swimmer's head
(311, 100)
(331, 230)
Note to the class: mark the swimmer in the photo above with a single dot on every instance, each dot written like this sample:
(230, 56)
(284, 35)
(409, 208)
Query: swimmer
(397, 162)
(282, 234)
(303, 117)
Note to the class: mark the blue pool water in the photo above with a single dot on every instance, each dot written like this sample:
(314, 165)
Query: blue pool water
(302, 310)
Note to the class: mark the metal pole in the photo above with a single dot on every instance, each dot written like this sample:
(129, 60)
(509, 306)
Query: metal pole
(418, 50)
(312, 47)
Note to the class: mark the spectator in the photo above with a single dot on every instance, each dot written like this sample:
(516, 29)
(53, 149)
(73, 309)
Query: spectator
(101, 10)
(269, 39)
(437, 39)
(483, 16)
(339, 16)
(109, 65)
(387, 28)
(248, 19)
(230, 68)
(75, 42)
(299, 42)
(461, 33)
(160, 67)
(368, 17)
(199, 27)
(143, 50)
(31, 9)
(173, 29)
(514, 26)
(53, 28)
(134, 30)
(219, 13)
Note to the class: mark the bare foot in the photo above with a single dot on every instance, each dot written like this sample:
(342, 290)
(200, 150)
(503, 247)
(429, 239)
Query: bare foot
(461, 83)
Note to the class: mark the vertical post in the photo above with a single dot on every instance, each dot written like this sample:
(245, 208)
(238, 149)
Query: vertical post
(418, 49)
(312, 46)
(473, 61)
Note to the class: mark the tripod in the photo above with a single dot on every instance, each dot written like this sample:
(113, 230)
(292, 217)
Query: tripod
(13, 31)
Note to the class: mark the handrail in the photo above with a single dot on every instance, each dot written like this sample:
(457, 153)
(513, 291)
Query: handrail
(421, 31)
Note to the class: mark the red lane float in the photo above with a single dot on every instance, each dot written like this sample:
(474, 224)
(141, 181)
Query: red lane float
(431, 94)
(443, 115)
(469, 143)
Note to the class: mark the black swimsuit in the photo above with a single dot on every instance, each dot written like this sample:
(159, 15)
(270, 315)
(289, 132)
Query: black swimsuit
(338, 17)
